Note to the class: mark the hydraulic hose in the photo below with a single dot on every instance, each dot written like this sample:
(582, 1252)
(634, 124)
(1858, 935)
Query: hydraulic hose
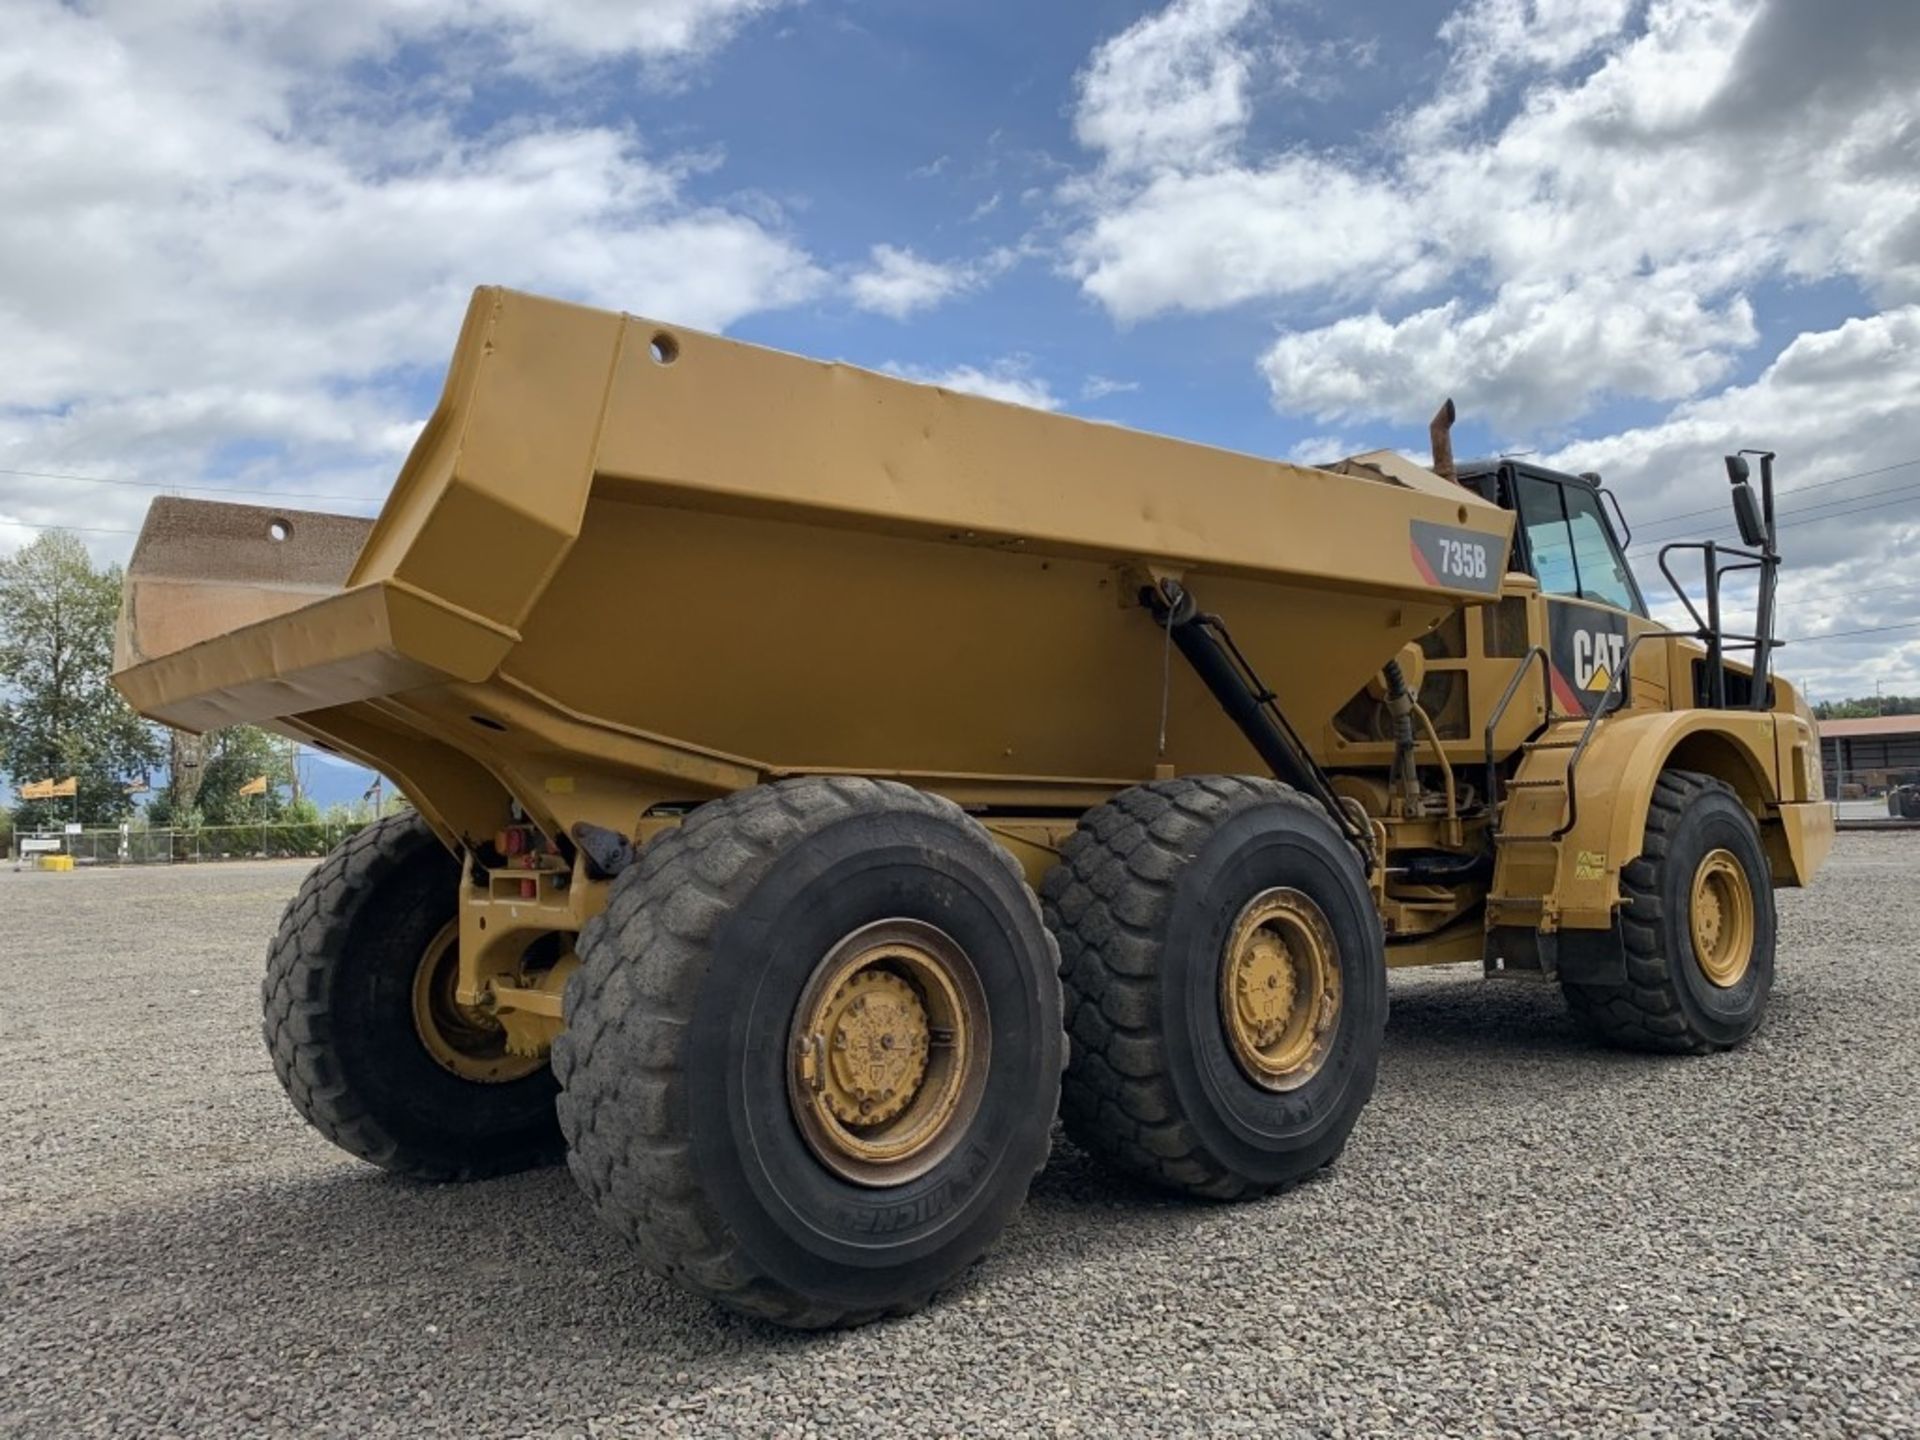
(1400, 708)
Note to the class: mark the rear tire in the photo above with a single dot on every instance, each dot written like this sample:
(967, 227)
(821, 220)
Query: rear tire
(691, 1119)
(1689, 991)
(1164, 1082)
(339, 1001)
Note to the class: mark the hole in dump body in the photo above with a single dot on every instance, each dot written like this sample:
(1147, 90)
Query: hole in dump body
(486, 722)
(279, 530)
(664, 349)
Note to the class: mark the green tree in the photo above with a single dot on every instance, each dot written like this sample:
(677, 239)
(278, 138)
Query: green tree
(210, 772)
(1867, 705)
(59, 715)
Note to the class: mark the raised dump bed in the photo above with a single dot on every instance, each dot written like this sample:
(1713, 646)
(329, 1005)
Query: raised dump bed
(731, 686)
(628, 564)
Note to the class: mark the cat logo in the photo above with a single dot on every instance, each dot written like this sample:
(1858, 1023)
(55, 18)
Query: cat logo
(1588, 645)
(1596, 656)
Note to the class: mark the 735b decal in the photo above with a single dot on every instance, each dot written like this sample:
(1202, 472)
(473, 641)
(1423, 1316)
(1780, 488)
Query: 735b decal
(1456, 558)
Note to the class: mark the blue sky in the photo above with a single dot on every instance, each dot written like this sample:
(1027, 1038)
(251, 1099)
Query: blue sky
(1625, 234)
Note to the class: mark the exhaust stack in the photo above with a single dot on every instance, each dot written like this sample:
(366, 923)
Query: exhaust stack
(1440, 436)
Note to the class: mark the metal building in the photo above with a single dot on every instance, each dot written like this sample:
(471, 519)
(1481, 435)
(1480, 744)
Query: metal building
(1862, 757)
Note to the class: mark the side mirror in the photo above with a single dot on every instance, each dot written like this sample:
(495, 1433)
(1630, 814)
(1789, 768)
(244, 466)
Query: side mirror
(1746, 509)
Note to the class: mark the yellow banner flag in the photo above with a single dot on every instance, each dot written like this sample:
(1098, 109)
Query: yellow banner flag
(48, 789)
(65, 789)
(255, 786)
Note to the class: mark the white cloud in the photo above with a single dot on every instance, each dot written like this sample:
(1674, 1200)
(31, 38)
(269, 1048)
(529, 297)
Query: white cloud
(1320, 69)
(1099, 387)
(1491, 40)
(227, 238)
(1212, 239)
(1324, 449)
(898, 282)
(1008, 379)
(1170, 89)
(985, 208)
(1649, 168)
(528, 33)
(1538, 351)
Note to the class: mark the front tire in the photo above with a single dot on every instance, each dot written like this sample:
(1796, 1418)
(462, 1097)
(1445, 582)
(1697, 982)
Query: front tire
(1698, 925)
(1226, 985)
(364, 1034)
(813, 1051)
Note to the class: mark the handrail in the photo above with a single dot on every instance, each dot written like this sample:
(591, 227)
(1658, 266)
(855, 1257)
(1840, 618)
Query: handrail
(1615, 687)
(1500, 710)
(1707, 628)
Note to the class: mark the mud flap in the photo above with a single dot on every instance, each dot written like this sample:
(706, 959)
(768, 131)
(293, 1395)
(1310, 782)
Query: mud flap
(1584, 957)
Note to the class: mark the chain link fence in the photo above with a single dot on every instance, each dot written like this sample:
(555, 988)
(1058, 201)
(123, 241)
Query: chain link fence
(1875, 794)
(138, 846)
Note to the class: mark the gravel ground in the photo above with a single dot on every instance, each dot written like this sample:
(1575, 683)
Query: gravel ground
(1527, 1236)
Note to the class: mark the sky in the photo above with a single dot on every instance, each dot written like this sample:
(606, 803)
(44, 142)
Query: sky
(1625, 235)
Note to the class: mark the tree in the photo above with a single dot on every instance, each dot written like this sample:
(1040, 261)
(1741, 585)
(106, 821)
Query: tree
(233, 757)
(209, 771)
(1867, 705)
(59, 714)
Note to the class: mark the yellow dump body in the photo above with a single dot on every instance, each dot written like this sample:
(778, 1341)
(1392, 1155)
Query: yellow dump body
(628, 565)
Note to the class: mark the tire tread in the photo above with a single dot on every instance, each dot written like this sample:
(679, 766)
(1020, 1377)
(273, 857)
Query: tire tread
(298, 1022)
(1106, 903)
(624, 1114)
(1644, 1011)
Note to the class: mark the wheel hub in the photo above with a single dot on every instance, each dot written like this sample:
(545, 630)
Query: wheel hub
(1721, 912)
(1264, 988)
(1280, 989)
(876, 1048)
(889, 1052)
(463, 1039)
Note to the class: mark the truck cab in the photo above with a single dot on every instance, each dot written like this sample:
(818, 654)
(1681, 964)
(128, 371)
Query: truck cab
(1591, 603)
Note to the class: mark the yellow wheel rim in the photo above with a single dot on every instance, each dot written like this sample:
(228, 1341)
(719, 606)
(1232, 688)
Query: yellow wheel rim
(1721, 914)
(1280, 989)
(462, 1039)
(889, 1050)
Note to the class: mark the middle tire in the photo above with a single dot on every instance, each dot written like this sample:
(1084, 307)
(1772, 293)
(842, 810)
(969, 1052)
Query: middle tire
(813, 1051)
(1225, 975)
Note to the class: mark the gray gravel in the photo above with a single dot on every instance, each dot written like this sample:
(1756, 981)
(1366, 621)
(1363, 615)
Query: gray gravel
(1527, 1236)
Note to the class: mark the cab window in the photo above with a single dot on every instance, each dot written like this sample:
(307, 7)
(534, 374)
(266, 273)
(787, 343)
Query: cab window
(1572, 547)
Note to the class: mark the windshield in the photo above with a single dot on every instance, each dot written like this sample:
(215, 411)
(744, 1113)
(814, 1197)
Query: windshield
(1572, 547)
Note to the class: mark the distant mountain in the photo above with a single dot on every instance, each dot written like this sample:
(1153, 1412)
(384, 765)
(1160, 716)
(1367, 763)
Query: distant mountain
(329, 780)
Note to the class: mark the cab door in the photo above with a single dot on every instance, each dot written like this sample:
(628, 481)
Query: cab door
(1590, 604)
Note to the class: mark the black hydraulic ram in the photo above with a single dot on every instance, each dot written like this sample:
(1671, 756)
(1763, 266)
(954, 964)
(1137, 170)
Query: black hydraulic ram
(1203, 640)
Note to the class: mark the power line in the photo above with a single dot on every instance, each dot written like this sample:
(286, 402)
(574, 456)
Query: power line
(1837, 595)
(1805, 516)
(1847, 634)
(1792, 490)
(1785, 519)
(201, 489)
(81, 529)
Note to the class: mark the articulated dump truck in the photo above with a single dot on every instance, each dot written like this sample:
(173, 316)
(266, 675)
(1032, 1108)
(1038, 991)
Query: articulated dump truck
(823, 781)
